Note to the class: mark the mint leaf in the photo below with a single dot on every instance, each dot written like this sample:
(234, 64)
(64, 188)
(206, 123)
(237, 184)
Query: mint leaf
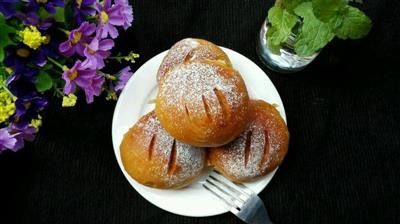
(43, 82)
(314, 34)
(324, 10)
(5, 31)
(290, 5)
(336, 21)
(283, 22)
(355, 24)
(274, 48)
(304, 10)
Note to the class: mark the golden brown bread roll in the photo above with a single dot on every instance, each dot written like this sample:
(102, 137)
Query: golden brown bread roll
(203, 103)
(153, 158)
(191, 50)
(258, 150)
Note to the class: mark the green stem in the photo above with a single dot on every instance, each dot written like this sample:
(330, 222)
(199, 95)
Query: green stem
(7, 90)
(117, 57)
(107, 76)
(56, 71)
(56, 63)
(64, 31)
(59, 91)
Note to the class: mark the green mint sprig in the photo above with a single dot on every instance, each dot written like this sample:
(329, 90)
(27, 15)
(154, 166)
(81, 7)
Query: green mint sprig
(314, 23)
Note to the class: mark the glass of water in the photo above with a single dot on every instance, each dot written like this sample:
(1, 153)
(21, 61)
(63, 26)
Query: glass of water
(285, 62)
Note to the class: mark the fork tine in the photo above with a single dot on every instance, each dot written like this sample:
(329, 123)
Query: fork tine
(231, 190)
(242, 201)
(232, 207)
(233, 186)
(239, 186)
(237, 201)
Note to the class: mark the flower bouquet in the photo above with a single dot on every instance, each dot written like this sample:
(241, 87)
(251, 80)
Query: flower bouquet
(59, 47)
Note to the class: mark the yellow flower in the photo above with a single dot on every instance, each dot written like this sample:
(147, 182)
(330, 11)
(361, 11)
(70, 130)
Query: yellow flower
(131, 57)
(32, 37)
(69, 101)
(7, 106)
(36, 123)
(111, 96)
(8, 70)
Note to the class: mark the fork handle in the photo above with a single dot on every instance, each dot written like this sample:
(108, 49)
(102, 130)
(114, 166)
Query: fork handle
(261, 217)
(256, 213)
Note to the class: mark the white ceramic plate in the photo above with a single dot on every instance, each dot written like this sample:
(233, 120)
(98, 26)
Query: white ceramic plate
(134, 102)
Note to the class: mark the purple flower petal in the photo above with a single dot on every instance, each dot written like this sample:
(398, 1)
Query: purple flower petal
(123, 76)
(106, 44)
(7, 141)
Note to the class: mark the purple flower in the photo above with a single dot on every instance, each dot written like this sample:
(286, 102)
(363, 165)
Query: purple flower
(123, 77)
(85, 78)
(22, 135)
(77, 76)
(96, 51)
(13, 138)
(77, 40)
(7, 7)
(22, 83)
(109, 16)
(18, 56)
(49, 5)
(7, 140)
(27, 108)
(32, 18)
(94, 89)
(126, 12)
(81, 8)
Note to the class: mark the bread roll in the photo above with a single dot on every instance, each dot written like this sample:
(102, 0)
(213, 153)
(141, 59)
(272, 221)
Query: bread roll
(191, 50)
(203, 103)
(258, 150)
(153, 158)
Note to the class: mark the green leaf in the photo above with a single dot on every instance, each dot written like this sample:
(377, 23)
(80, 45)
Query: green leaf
(59, 15)
(69, 14)
(336, 21)
(5, 31)
(355, 24)
(314, 34)
(43, 14)
(290, 5)
(43, 81)
(324, 10)
(275, 49)
(283, 22)
(47, 66)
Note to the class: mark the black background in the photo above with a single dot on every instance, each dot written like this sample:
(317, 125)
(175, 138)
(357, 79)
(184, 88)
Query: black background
(343, 115)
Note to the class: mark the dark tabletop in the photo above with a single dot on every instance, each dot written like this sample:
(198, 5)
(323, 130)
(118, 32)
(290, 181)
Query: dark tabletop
(343, 115)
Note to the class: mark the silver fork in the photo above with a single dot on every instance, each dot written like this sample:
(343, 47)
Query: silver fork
(240, 200)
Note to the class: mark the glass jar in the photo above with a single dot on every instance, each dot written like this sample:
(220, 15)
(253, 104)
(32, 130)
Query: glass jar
(288, 61)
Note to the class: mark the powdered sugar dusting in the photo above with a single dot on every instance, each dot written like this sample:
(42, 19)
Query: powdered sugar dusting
(190, 50)
(190, 86)
(189, 159)
(234, 159)
(177, 55)
(234, 156)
